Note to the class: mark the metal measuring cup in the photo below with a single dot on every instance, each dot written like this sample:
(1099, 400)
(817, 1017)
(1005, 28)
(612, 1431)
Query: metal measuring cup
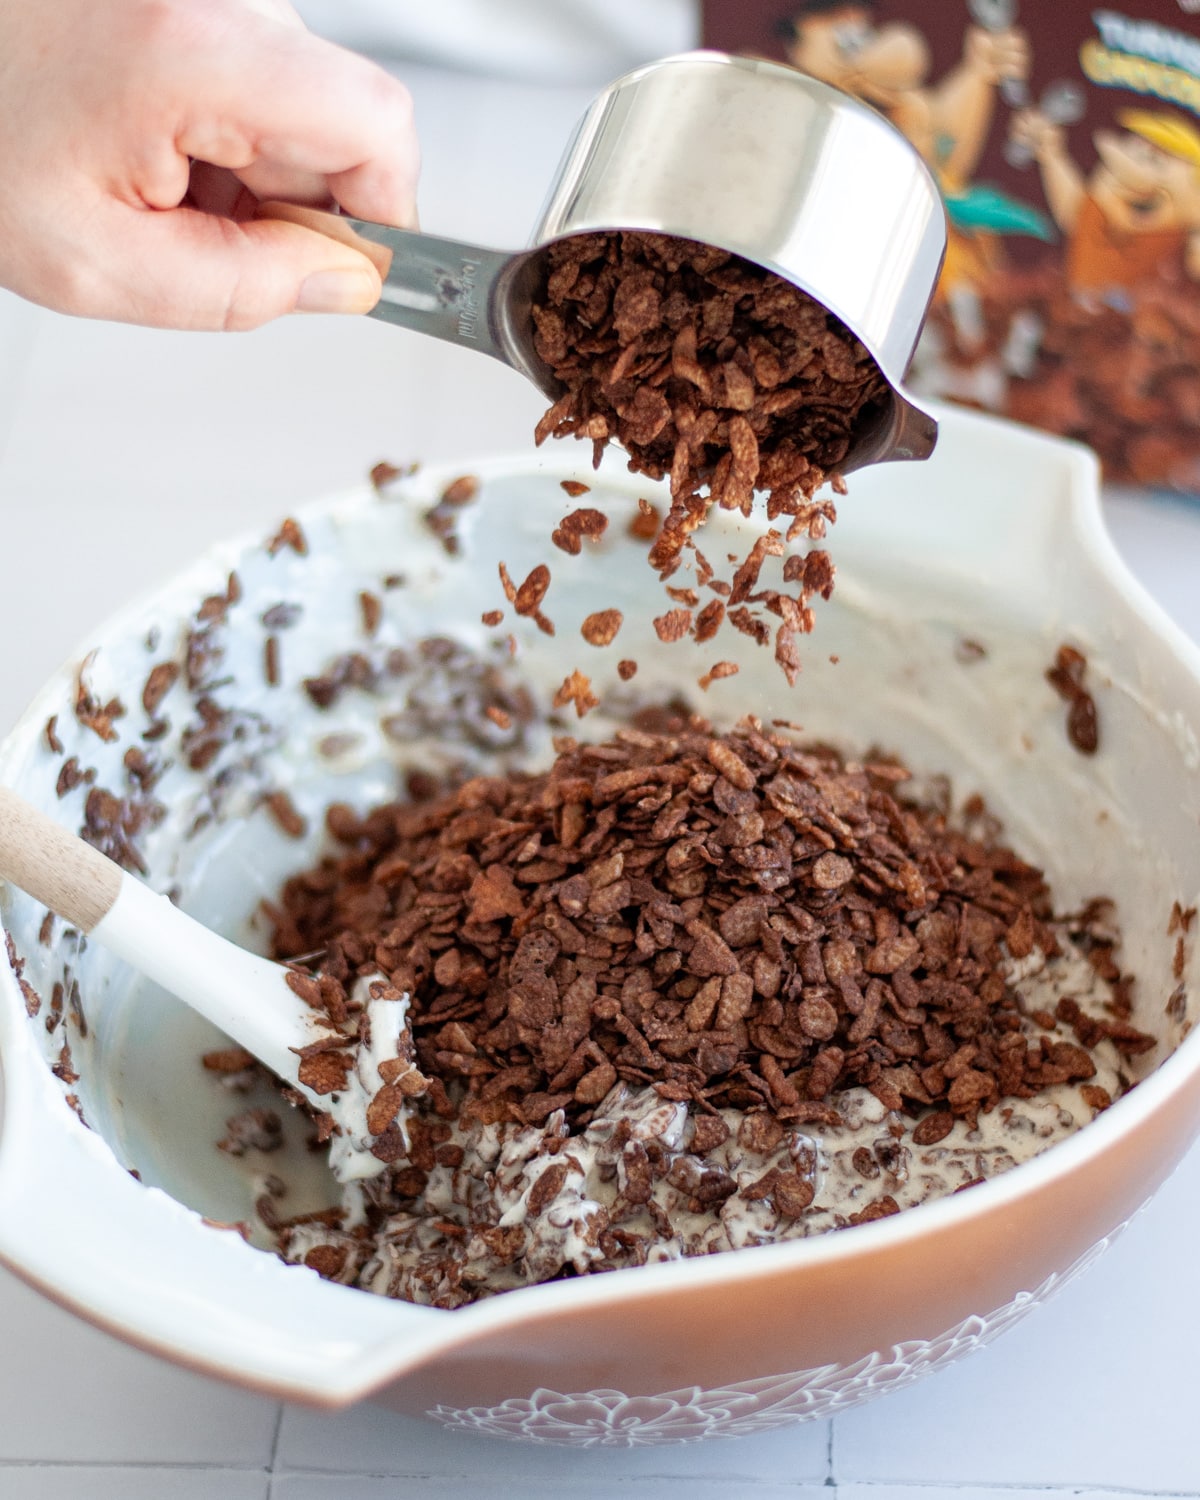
(750, 156)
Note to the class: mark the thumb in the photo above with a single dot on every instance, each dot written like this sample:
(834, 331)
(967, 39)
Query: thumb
(181, 268)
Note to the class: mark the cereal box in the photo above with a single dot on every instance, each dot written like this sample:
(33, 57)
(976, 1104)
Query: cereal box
(1066, 142)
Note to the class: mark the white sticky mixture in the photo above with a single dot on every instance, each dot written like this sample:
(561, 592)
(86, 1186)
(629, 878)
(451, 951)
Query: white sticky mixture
(630, 1189)
(350, 1155)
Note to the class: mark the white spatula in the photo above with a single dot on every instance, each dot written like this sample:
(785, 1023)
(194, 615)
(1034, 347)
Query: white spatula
(248, 997)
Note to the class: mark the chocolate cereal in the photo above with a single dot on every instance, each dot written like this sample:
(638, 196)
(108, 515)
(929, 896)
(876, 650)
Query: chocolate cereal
(703, 976)
(715, 373)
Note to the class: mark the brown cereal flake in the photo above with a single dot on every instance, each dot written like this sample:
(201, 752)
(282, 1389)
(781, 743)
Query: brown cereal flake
(113, 824)
(576, 689)
(228, 1060)
(933, 1128)
(371, 609)
(645, 523)
(285, 814)
(546, 1188)
(288, 535)
(882, 1208)
(71, 776)
(159, 683)
(673, 625)
(325, 1072)
(327, 1260)
(600, 629)
(709, 621)
(382, 474)
(89, 711)
(282, 616)
(1066, 678)
(586, 524)
(528, 598)
(442, 519)
(461, 491)
(252, 1130)
(716, 672)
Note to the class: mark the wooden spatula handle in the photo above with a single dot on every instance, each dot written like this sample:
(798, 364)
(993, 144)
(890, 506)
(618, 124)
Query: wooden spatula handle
(53, 866)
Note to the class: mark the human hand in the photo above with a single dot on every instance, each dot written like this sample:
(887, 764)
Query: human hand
(998, 56)
(139, 135)
(1034, 132)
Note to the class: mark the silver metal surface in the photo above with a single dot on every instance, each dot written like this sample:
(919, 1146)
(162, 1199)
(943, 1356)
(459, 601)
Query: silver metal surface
(748, 155)
(463, 294)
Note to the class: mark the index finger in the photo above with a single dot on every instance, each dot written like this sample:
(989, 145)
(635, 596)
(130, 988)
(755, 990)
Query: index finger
(255, 89)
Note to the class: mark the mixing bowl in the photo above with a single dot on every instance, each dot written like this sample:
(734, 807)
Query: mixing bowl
(321, 663)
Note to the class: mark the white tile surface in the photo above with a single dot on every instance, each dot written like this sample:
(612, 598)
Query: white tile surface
(373, 1441)
(128, 452)
(52, 1482)
(486, 1486)
(1098, 1387)
(18, 326)
(69, 1392)
(1158, 539)
(984, 1492)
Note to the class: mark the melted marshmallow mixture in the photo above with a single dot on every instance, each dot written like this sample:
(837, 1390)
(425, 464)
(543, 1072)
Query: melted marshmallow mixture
(506, 1205)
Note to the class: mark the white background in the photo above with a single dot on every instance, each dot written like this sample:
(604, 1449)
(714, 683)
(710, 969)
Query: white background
(123, 453)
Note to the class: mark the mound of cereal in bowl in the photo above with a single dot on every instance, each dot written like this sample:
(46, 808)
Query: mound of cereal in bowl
(687, 992)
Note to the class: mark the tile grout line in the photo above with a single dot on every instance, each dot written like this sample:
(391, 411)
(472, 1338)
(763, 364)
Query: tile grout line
(274, 1459)
(620, 1484)
(625, 1482)
(197, 1465)
(275, 1434)
(1069, 1487)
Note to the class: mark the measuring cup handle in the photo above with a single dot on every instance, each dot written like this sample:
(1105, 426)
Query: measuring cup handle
(436, 286)
(332, 226)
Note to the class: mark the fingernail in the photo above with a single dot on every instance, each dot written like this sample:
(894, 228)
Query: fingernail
(337, 292)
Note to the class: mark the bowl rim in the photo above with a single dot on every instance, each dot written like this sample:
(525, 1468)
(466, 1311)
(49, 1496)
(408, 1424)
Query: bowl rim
(367, 1367)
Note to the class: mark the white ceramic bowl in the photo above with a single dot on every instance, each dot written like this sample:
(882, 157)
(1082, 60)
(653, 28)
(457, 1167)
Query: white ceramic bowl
(997, 540)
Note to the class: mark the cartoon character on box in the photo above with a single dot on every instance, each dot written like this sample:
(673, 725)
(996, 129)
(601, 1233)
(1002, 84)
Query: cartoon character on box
(888, 65)
(1137, 215)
